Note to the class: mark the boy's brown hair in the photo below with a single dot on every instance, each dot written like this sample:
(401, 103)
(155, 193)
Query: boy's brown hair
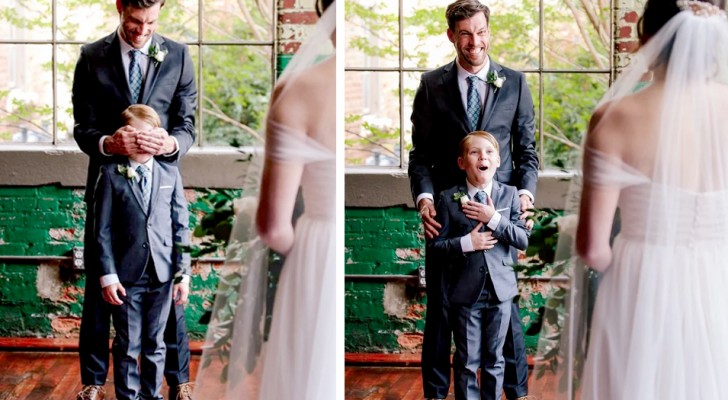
(141, 112)
(465, 143)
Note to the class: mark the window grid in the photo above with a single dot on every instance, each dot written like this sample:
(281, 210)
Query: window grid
(198, 44)
(540, 72)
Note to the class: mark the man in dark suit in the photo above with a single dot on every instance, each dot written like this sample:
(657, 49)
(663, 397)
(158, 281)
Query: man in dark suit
(471, 93)
(480, 225)
(141, 220)
(132, 65)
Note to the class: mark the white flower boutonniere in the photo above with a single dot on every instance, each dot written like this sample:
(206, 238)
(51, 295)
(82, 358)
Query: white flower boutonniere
(157, 53)
(461, 197)
(127, 172)
(494, 79)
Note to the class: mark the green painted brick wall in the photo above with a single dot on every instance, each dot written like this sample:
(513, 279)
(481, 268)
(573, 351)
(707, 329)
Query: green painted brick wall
(388, 316)
(44, 299)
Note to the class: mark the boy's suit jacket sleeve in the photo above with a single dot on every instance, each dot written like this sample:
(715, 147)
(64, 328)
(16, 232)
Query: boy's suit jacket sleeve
(103, 209)
(180, 228)
(513, 232)
(444, 243)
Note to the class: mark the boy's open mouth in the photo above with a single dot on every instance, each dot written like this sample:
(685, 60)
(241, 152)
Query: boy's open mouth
(483, 168)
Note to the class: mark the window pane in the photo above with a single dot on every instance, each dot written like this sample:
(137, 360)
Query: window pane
(234, 20)
(85, 22)
(371, 111)
(411, 83)
(26, 111)
(514, 28)
(26, 19)
(569, 100)
(425, 38)
(178, 20)
(67, 57)
(372, 33)
(236, 88)
(577, 35)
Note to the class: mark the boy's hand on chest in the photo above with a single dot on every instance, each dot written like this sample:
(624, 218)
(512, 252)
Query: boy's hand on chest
(478, 211)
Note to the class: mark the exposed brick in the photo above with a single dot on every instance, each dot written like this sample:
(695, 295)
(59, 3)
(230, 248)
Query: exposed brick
(631, 17)
(625, 32)
(410, 341)
(628, 47)
(65, 325)
(299, 18)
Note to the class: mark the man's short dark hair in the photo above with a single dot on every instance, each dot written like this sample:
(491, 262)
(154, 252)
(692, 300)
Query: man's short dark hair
(465, 9)
(141, 3)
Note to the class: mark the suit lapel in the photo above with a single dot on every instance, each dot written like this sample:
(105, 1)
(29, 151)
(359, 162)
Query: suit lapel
(492, 97)
(134, 184)
(156, 179)
(152, 70)
(450, 81)
(112, 51)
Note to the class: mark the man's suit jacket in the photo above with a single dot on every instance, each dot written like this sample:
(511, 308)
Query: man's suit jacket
(126, 235)
(101, 93)
(467, 271)
(439, 122)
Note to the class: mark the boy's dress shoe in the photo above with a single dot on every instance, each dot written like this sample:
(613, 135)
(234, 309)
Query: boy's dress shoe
(183, 391)
(91, 392)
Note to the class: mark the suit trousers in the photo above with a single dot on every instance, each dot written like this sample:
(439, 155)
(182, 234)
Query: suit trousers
(480, 332)
(438, 338)
(139, 325)
(96, 321)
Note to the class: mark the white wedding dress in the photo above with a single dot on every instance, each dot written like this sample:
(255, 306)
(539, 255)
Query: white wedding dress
(299, 360)
(660, 322)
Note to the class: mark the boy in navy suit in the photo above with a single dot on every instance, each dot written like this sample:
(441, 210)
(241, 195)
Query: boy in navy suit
(480, 222)
(141, 219)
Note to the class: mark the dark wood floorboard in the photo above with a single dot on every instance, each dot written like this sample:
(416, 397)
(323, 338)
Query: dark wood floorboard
(56, 376)
(405, 383)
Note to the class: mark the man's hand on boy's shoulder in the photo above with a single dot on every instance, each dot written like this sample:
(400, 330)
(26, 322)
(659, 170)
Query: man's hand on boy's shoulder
(181, 291)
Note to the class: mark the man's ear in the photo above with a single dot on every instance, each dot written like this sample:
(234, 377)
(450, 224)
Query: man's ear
(450, 35)
(119, 6)
(461, 163)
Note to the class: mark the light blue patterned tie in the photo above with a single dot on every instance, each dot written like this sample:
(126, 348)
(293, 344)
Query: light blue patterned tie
(145, 184)
(480, 197)
(135, 74)
(473, 103)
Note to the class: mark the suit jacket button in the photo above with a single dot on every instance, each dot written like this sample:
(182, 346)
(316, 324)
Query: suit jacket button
(144, 245)
(482, 269)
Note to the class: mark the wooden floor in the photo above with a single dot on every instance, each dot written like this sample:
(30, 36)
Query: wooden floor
(55, 376)
(48, 376)
(405, 383)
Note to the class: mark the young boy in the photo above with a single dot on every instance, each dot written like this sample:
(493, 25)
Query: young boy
(141, 220)
(480, 223)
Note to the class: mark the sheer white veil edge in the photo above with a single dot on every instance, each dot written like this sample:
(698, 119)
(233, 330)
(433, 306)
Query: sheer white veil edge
(231, 362)
(685, 152)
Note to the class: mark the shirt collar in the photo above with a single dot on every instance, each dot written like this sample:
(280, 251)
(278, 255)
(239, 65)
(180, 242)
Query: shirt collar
(126, 47)
(134, 164)
(472, 190)
(463, 74)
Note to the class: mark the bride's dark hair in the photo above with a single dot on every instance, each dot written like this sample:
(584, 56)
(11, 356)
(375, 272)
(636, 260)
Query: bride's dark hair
(658, 12)
(322, 5)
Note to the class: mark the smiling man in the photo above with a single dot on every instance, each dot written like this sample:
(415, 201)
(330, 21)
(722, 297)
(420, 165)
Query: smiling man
(132, 65)
(471, 93)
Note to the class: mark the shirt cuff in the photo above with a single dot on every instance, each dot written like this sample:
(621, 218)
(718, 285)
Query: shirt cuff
(527, 193)
(176, 147)
(466, 243)
(109, 279)
(101, 146)
(423, 196)
(494, 221)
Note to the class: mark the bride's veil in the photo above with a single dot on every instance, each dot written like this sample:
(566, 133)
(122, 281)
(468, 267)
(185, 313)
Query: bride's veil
(231, 363)
(683, 139)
